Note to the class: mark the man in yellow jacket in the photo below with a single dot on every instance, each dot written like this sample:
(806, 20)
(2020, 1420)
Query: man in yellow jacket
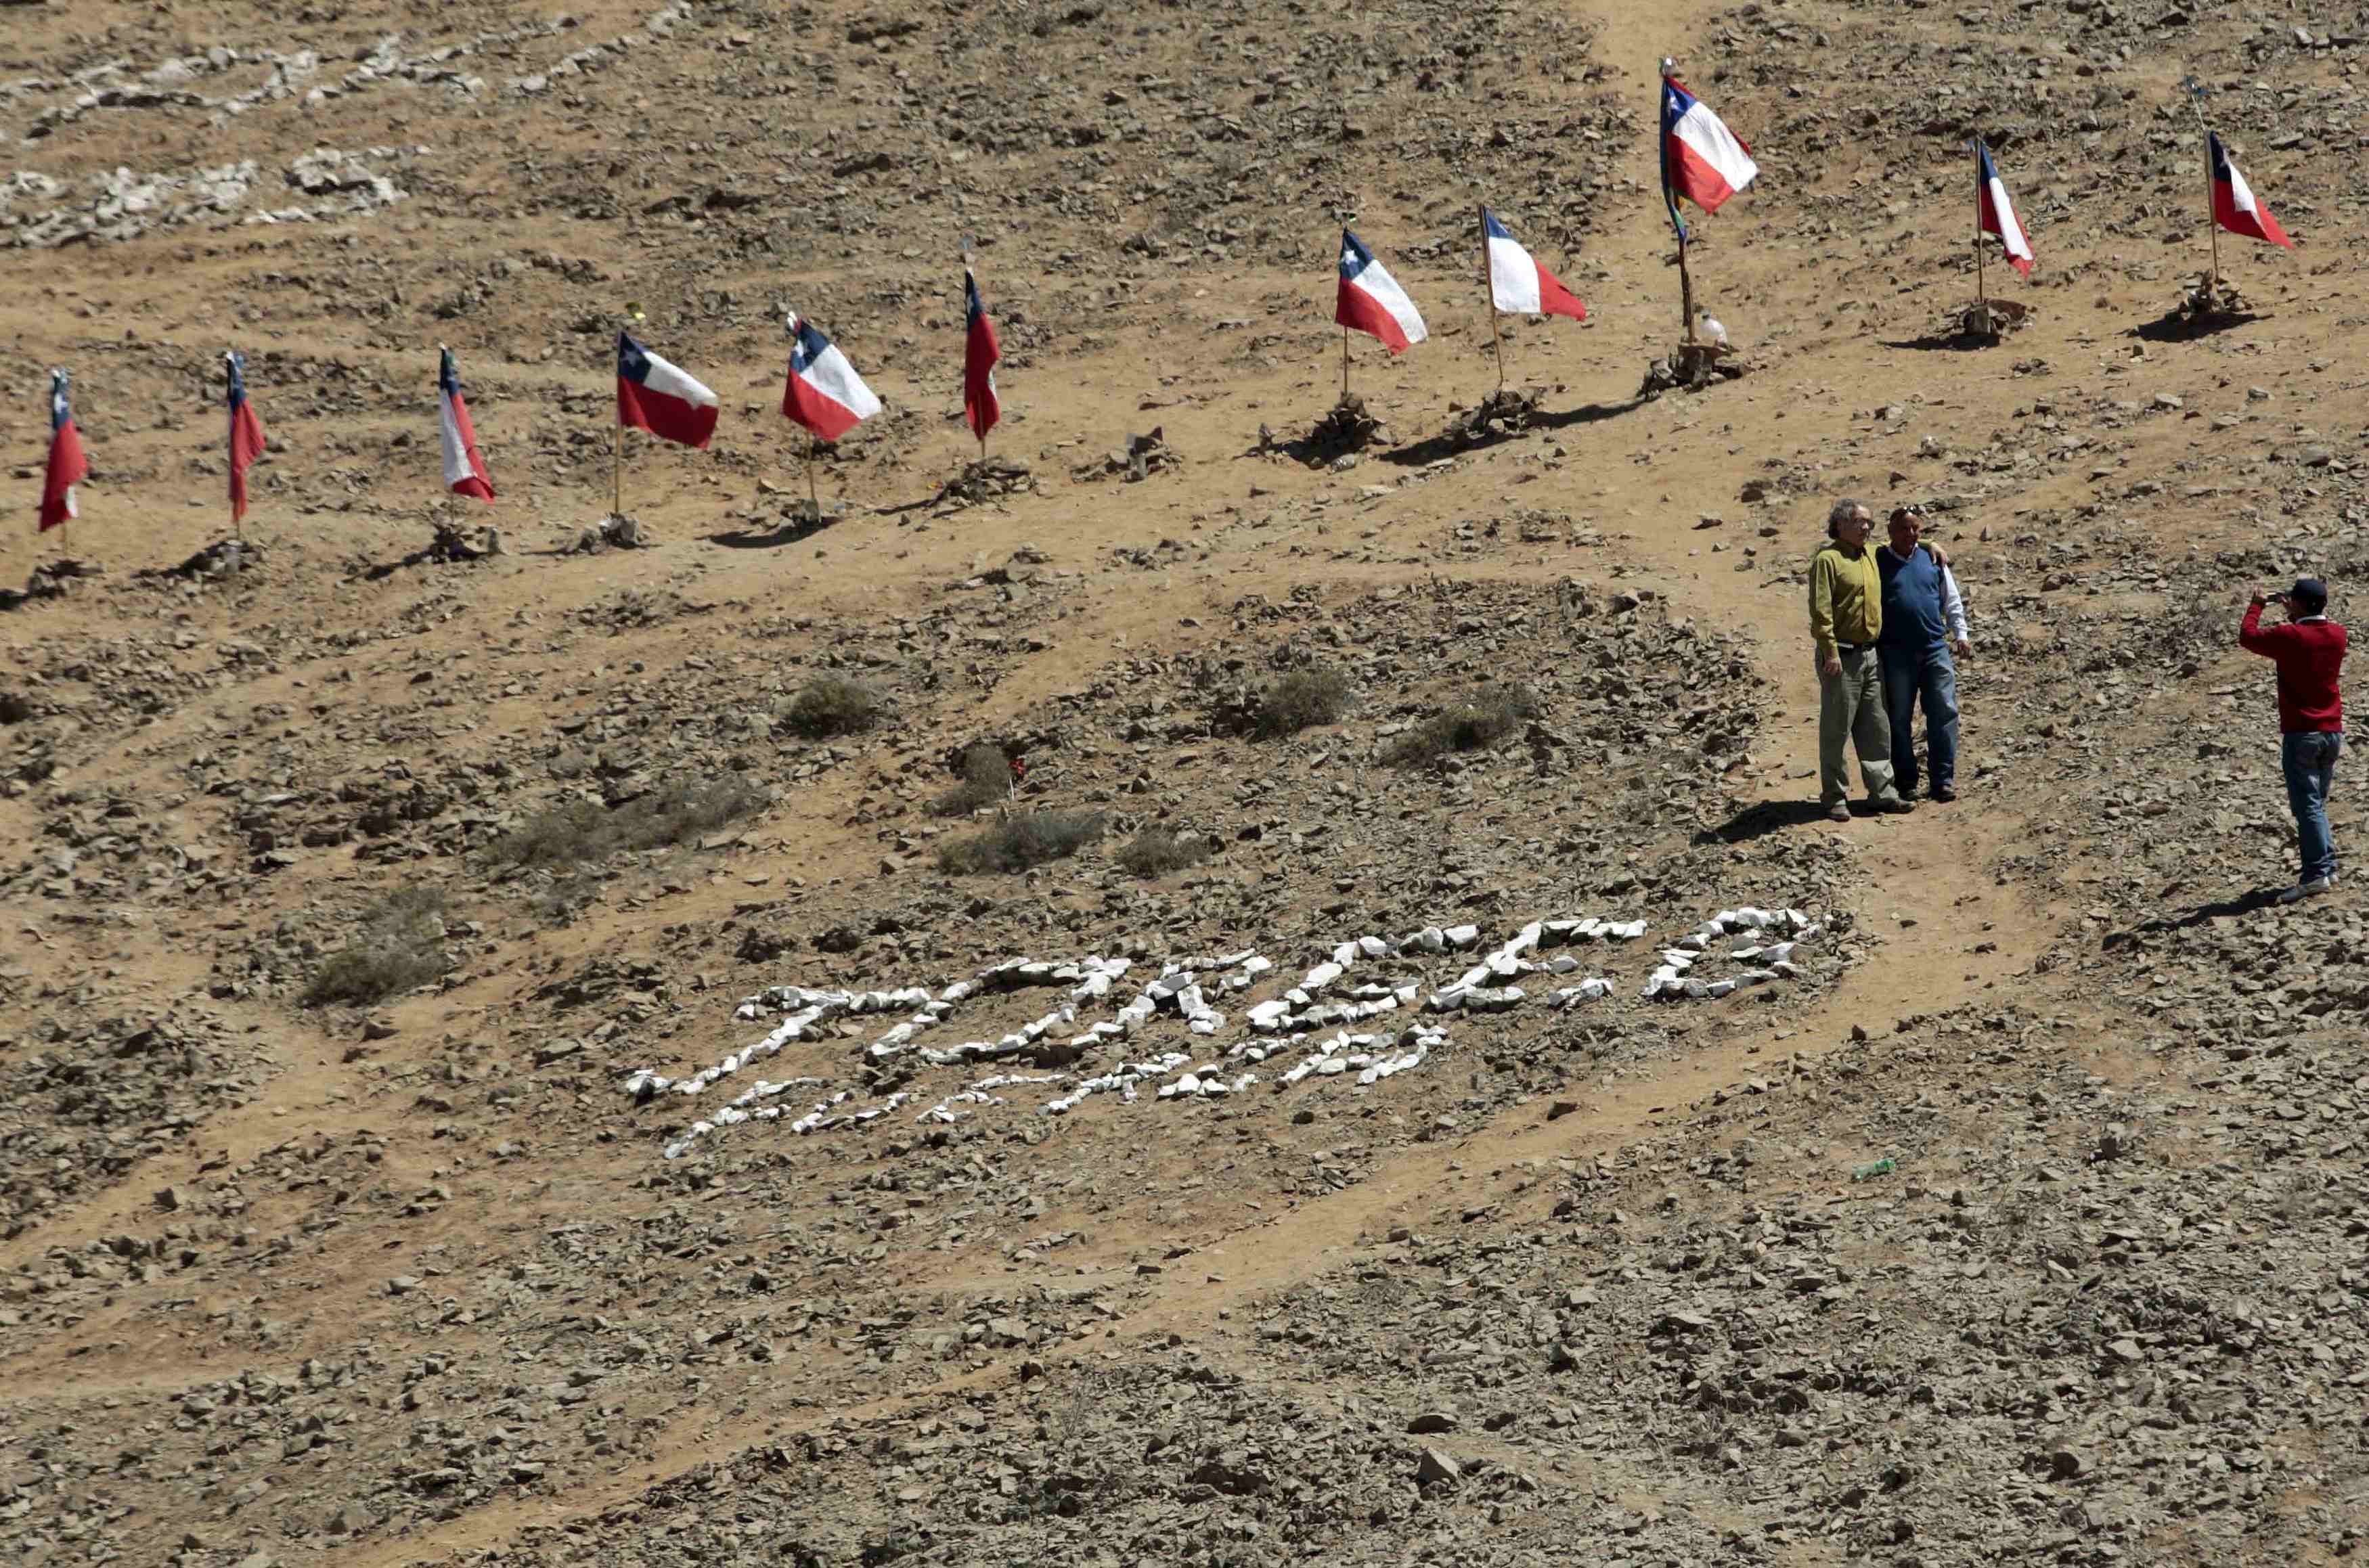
(1845, 618)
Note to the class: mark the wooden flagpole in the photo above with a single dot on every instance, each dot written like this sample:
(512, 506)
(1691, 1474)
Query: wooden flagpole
(1488, 283)
(1662, 140)
(1686, 288)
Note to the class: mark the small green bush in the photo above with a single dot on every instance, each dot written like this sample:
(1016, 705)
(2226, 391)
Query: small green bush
(400, 947)
(1318, 694)
(1484, 717)
(1016, 843)
(1156, 852)
(986, 779)
(832, 704)
(580, 831)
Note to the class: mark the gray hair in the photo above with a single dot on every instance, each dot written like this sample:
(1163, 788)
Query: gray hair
(1840, 512)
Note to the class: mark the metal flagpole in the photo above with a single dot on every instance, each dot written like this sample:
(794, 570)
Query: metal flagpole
(1661, 138)
(230, 369)
(2211, 229)
(1344, 364)
(1982, 290)
(617, 437)
(970, 282)
(812, 501)
(65, 523)
(1496, 338)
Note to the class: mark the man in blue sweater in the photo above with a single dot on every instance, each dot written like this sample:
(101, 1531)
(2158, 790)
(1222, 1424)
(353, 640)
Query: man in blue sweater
(1923, 617)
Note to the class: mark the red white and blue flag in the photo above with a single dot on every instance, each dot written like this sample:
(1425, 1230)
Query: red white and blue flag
(1702, 160)
(465, 470)
(981, 409)
(823, 392)
(245, 432)
(1517, 281)
(2234, 207)
(1998, 213)
(68, 467)
(654, 395)
(1370, 299)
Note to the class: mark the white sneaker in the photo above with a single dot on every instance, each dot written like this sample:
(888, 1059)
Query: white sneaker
(2302, 890)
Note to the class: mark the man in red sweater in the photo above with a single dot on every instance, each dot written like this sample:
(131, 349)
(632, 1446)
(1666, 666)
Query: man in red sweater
(2309, 652)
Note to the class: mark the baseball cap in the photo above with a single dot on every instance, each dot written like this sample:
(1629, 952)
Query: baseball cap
(2310, 593)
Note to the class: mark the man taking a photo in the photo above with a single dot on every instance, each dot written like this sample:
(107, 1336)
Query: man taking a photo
(2309, 653)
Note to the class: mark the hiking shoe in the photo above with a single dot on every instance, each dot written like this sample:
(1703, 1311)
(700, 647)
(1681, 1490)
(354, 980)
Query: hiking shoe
(1896, 807)
(2305, 889)
(1945, 793)
(1839, 812)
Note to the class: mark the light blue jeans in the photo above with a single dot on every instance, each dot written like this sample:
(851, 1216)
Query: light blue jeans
(2308, 759)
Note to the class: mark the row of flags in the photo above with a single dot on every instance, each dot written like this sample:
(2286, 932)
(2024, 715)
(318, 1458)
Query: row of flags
(1702, 162)
(1371, 301)
(822, 393)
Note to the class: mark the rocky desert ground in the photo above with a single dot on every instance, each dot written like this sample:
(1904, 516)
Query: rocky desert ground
(1216, 1001)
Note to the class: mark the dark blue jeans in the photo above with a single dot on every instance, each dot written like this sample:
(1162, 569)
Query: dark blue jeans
(1909, 674)
(2308, 759)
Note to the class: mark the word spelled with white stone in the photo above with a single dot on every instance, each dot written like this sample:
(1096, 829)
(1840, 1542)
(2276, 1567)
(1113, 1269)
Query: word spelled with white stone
(1315, 1021)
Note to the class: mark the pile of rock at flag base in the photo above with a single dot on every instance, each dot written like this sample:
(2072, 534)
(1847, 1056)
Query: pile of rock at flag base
(982, 481)
(1139, 460)
(1702, 162)
(1347, 427)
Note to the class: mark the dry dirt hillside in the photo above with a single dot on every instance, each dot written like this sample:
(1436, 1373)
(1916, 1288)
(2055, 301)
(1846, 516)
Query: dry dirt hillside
(1219, 999)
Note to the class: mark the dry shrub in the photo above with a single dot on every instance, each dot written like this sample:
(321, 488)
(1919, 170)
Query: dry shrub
(581, 832)
(833, 705)
(400, 947)
(1484, 717)
(1156, 852)
(1318, 694)
(1016, 843)
(986, 779)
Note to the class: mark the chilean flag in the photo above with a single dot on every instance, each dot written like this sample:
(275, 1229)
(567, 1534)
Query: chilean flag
(1998, 213)
(2233, 206)
(1371, 300)
(654, 395)
(245, 433)
(1702, 160)
(981, 408)
(465, 470)
(823, 392)
(1517, 281)
(68, 467)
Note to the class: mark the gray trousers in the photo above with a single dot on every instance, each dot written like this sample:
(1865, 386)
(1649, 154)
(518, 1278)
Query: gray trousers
(1850, 709)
